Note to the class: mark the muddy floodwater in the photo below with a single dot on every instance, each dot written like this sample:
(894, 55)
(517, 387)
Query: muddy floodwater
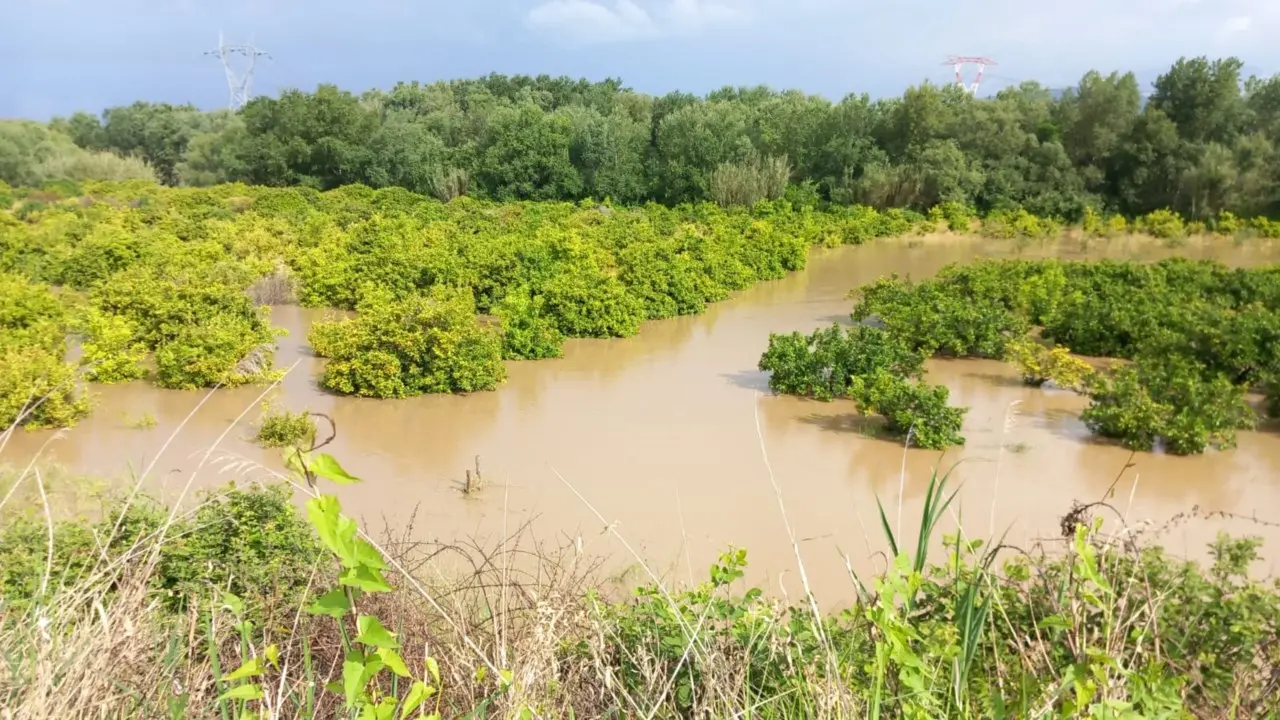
(665, 435)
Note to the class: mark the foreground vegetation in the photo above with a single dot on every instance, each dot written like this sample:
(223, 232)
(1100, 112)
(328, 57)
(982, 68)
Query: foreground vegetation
(241, 608)
(1200, 336)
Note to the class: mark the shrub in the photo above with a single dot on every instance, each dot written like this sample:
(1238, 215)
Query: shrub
(111, 349)
(912, 408)
(1092, 223)
(823, 364)
(249, 542)
(1038, 364)
(527, 333)
(939, 317)
(285, 428)
(1165, 224)
(427, 343)
(35, 379)
(1117, 225)
(222, 349)
(1227, 223)
(1167, 400)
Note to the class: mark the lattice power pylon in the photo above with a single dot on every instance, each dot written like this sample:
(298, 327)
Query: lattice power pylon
(959, 61)
(239, 83)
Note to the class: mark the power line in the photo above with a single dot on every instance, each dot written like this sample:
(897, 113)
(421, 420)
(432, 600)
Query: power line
(239, 83)
(959, 61)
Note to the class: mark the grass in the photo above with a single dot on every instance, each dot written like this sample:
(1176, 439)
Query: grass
(146, 421)
(1099, 625)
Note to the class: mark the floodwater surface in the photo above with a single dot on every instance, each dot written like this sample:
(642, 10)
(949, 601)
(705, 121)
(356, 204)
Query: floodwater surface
(673, 438)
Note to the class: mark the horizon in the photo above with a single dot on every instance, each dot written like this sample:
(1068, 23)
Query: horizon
(90, 58)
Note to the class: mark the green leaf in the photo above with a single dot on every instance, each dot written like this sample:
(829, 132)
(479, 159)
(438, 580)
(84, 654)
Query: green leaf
(373, 633)
(418, 694)
(272, 653)
(251, 667)
(296, 460)
(393, 661)
(233, 603)
(506, 676)
(333, 603)
(366, 579)
(352, 678)
(384, 710)
(326, 467)
(252, 691)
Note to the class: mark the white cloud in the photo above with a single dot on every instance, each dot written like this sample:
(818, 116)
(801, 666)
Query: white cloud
(1235, 26)
(605, 21)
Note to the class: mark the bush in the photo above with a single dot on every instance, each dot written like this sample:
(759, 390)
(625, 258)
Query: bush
(111, 349)
(1038, 364)
(823, 364)
(248, 542)
(869, 366)
(222, 349)
(1165, 224)
(428, 343)
(285, 428)
(35, 379)
(939, 317)
(527, 333)
(914, 409)
(1167, 400)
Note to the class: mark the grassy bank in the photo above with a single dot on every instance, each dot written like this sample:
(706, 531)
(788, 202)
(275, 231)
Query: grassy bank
(243, 605)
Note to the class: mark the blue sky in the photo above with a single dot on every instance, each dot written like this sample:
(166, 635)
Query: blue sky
(77, 54)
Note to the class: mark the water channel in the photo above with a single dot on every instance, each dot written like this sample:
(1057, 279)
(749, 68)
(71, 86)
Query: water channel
(663, 434)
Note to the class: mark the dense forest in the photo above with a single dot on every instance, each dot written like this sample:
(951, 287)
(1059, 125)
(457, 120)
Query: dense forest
(1204, 142)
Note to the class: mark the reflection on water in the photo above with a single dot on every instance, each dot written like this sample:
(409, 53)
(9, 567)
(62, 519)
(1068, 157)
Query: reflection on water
(659, 432)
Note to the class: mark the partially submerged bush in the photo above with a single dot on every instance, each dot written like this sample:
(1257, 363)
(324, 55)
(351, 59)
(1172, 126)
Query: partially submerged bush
(1039, 364)
(223, 349)
(112, 351)
(429, 343)
(871, 367)
(1167, 401)
(285, 428)
(38, 389)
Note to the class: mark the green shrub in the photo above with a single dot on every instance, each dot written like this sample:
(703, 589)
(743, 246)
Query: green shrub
(249, 542)
(37, 380)
(285, 428)
(823, 364)
(1165, 224)
(1167, 400)
(221, 349)
(527, 333)
(111, 349)
(1038, 364)
(428, 343)
(914, 409)
(939, 317)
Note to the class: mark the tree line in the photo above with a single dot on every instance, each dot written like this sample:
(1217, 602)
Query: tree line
(1203, 142)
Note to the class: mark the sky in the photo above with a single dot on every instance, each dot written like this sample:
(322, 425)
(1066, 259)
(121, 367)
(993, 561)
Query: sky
(70, 55)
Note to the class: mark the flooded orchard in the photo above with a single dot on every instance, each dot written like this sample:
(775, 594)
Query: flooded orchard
(666, 435)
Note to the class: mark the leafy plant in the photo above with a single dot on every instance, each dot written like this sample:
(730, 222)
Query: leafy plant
(284, 428)
(1039, 364)
(419, 344)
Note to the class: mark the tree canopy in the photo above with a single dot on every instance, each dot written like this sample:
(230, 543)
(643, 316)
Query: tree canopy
(1204, 142)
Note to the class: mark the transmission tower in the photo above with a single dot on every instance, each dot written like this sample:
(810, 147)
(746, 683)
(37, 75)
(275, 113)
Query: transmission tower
(240, 83)
(959, 61)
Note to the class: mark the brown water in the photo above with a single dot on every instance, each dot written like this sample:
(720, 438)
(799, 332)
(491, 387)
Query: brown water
(659, 433)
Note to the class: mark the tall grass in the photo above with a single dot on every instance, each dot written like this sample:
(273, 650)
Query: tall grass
(156, 618)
